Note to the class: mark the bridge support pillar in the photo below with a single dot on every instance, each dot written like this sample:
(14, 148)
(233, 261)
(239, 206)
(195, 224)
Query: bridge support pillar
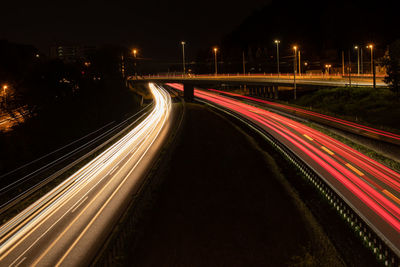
(188, 92)
(276, 90)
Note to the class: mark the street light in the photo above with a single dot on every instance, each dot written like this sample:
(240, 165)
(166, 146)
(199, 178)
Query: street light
(358, 59)
(299, 63)
(5, 87)
(215, 59)
(372, 57)
(294, 70)
(372, 66)
(277, 42)
(183, 57)
(134, 51)
(328, 66)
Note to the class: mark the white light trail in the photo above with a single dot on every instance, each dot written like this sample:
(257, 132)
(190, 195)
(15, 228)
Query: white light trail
(134, 145)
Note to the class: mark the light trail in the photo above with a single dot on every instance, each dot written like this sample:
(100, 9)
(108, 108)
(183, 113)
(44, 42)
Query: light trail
(371, 188)
(65, 226)
(317, 115)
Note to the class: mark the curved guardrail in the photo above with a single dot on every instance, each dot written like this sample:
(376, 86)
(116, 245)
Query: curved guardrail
(370, 235)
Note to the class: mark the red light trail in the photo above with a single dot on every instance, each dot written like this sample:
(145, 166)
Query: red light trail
(375, 186)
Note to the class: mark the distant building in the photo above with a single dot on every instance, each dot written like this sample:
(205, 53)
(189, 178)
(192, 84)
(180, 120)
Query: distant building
(71, 53)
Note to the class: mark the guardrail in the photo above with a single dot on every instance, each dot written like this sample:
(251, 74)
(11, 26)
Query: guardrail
(368, 234)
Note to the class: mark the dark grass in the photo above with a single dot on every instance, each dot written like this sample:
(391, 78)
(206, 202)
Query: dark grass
(377, 107)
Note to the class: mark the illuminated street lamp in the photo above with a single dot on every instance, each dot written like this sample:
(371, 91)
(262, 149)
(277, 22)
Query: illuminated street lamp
(294, 70)
(372, 57)
(5, 87)
(183, 57)
(215, 60)
(134, 51)
(328, 66)
(277, 42)
(358, 59)
(372, 66)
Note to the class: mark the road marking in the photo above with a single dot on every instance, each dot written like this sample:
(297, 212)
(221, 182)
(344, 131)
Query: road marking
(391, 196)
(19, 263)
(327, 150)
(80, 203)
(309, 138)
(354, 169)
(113, 169)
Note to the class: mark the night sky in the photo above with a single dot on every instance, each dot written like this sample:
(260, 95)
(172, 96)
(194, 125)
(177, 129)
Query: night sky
(156, 28)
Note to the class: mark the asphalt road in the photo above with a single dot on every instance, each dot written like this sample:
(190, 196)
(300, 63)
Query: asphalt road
(224, 202)
(370, 188)
(353, 127)
(67, 226)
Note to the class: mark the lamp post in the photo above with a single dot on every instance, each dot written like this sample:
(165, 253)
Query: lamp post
(328, 66)
(361, 60)
(294, 71)
(215, 60)
(372, 66)
(183, 57)
(299, 63)
(5, 87)
(358, 59)
(372, 57)
(134, 51)
(277, 42)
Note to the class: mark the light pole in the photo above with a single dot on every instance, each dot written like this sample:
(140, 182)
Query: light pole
(5, 87)
(373, 66)
(277, 42)
(215, 60)
(134, 51)
(294, 70)
(372, 57)
(361, 60)
(299, 63)
(183, 57)
(358, 59)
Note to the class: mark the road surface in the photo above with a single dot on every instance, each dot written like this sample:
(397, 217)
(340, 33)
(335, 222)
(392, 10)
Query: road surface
(67, 226)
(370, 188)
(338, 123)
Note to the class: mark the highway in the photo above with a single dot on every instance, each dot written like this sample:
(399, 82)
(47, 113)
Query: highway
(339, 123)
(67, 226)
(368, 187)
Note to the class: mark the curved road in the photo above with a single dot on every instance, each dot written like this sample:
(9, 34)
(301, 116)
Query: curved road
(370, 188)
(67, 226)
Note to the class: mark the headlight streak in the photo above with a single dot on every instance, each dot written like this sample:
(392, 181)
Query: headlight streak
(339, 160)
(15, 231)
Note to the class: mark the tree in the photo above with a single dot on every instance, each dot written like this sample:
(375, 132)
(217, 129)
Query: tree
(392, 64)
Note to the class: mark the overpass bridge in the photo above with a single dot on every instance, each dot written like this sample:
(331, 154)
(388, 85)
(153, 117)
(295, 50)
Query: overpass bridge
(269, 84)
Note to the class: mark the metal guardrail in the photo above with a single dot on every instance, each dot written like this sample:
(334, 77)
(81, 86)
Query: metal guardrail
(369, 235)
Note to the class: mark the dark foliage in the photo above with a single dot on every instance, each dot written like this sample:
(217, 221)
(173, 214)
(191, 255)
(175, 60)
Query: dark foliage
(392, 64)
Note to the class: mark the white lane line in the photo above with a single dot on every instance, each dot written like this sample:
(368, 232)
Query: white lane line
(113, 169)
(80, 203)
(19, 263)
